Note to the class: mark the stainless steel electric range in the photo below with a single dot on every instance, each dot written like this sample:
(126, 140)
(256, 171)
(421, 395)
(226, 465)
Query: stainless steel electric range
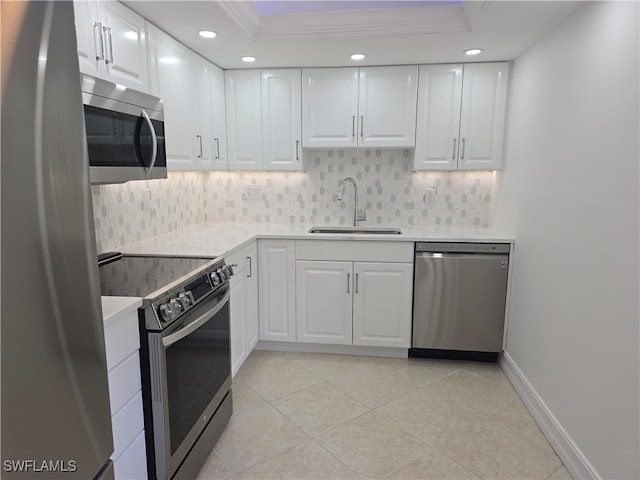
(184, 354)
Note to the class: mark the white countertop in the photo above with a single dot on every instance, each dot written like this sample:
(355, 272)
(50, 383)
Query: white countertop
(220, 239)
(113, 307)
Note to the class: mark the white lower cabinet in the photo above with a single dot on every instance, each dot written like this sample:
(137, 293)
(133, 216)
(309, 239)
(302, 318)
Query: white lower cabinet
(357, 303)
(324, 302)
(345, 297)
(243, 305)
(238, 313)
(276, 285)
(122, 342)
(382, 303)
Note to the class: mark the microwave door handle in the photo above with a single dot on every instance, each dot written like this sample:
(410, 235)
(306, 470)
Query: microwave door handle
(190, 328)
(154, 143)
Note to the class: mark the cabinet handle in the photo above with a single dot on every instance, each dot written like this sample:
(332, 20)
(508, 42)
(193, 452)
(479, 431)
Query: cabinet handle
(217, 140)
(98, 40)
(357, 281)
(250, 274)
(464, 143)
(361, 126)
(353, 126)
(107, 31)
(297, 149)
(199, 137)
(348, 282)
(453, 154)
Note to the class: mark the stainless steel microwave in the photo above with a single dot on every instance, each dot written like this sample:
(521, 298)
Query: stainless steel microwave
(125, 132)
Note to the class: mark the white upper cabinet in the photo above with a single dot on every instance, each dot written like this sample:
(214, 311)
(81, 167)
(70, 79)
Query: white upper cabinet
(201, 101)
(171, 79)
(483, 114)
(387, 106)
(112, 43)
(263, 119)
(190, 87)
(438, 124)
(329, 107)
(281, 119)
(244, 119)
(366, 107)
(218, 118)
(461, 116)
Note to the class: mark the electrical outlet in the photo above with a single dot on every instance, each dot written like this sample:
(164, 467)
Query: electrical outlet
(252, 193)
(430, 195)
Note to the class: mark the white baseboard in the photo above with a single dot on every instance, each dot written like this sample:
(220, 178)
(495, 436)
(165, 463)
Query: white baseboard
(574, 460)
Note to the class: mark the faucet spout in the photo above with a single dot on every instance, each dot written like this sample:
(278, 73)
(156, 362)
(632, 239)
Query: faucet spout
(340, 195)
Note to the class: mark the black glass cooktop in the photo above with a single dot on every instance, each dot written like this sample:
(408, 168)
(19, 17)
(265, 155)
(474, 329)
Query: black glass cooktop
(140, 276)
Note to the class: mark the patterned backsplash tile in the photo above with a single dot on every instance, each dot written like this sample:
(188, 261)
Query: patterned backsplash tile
(387, 187)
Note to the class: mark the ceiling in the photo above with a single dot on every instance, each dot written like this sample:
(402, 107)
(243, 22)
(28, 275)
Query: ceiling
(309, 33)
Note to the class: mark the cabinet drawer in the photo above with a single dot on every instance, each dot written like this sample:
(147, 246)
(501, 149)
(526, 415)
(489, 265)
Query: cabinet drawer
(132, 464)
(126, 425)
(121, 338)
(124, 382)
(354, 251)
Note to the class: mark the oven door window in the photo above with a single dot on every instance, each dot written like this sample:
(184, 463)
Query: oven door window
(197, 366)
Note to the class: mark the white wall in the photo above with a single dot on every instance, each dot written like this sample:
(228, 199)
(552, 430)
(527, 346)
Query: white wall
(570, 195)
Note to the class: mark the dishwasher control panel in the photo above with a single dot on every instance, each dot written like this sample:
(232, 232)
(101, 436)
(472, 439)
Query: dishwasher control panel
(462, 247)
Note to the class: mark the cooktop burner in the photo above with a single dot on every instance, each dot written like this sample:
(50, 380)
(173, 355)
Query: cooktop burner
(140, 276)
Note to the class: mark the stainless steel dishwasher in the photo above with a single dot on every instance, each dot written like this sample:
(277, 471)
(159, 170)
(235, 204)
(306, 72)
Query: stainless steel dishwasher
(459, 298)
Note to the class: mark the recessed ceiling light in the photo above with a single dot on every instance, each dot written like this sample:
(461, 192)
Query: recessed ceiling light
(248, 59)
(473, 51)
(358, 56)
(207, 34)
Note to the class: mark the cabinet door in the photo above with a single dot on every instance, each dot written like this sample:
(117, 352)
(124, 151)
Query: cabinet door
(276, 284)
(89, 37)
(237, 304)
(387, 106)
(125, 45)
(281, 119)
(218, 118)
(244, 119)
(482, 121)
(170, 79)
(329, 107)
(202, 135)
(324, 302)
(438, 123)
(252, 332)
(382, 304)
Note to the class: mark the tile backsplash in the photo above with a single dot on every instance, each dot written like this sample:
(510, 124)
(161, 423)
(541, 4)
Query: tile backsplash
(387, 187)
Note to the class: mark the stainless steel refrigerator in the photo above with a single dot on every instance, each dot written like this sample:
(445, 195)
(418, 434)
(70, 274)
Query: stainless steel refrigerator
(55, 416)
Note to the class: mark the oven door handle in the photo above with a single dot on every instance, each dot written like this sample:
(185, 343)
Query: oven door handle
(197, 323)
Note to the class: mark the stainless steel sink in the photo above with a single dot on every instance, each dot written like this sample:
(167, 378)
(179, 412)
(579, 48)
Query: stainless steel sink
(362, 230)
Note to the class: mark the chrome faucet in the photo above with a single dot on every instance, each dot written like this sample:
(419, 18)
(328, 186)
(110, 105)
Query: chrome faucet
(340, 195)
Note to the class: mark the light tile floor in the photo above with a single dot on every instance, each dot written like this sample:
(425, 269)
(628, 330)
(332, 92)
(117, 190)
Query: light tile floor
(318, 416)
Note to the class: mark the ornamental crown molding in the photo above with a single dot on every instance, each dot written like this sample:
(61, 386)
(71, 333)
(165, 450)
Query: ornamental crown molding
(372, 22)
